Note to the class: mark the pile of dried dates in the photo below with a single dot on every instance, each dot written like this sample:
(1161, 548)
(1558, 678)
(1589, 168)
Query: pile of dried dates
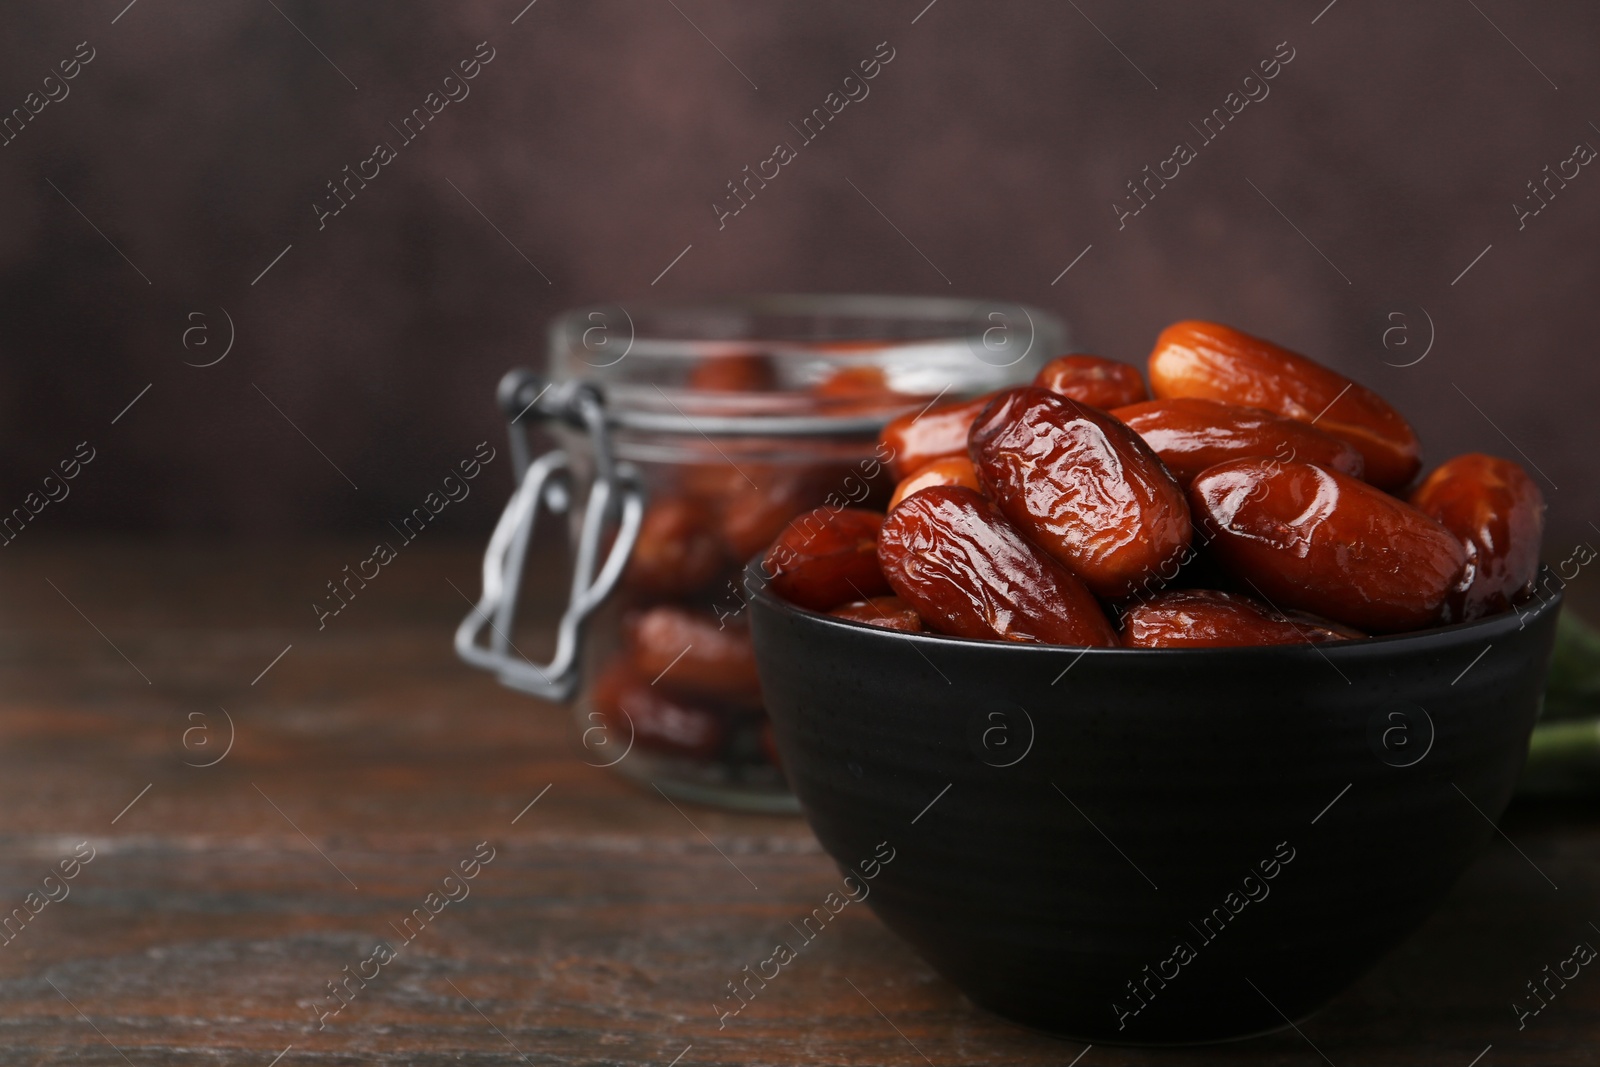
(1250, 496)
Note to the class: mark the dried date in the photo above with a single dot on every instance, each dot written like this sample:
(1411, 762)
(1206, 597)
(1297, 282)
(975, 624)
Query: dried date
(886, 612)
(1204, 618)
(678, 551)
(1082, 486)
(1310, 538)
(951, 470)
(689, 653)
(1215, 362)
(968, 572)
(916, 439)
(1191, 434)
(827, 557)
(1101, 383)
(1497, 512)
(631, 707)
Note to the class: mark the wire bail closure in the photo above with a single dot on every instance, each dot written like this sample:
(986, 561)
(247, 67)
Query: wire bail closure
(616, 496)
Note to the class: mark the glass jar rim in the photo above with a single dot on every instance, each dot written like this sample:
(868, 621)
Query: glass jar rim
(924, 347)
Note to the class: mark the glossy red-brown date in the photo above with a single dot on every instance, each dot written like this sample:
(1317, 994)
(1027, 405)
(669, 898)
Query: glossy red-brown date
(885, 612)
(678, 550)
(1203, 618)
(968, 572)
(951, 470)
(1093, 380)
(1191, 434)
(630, 707)
(1497, 512)
(689, 653)
(1215, 362)
(1082, 486)
(916, 439)
(1310, 538)
(827, 557)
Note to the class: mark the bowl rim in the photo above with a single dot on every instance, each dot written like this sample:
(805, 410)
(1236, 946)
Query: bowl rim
(757, 586)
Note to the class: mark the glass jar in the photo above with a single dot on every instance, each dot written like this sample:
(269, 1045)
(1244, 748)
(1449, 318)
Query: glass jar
(686, 437)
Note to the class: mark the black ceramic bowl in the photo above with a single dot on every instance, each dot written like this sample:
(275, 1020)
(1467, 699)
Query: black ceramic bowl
(1152, 846)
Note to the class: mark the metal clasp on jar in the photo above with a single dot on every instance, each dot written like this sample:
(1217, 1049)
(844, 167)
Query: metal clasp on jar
(615, 498)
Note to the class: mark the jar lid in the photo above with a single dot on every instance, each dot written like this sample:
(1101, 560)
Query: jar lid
(796, 365)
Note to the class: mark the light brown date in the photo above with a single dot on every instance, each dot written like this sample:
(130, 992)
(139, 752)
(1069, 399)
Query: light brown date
(827, 557)
(1310, 538)
(1092, 380)
(1191, 434)
(968, 572)
(1497, 512)
(1203, 618)
(1081, 485)
(688, 653)
(887, 612)
(951, 470)
(1215, 362)
(916, 439)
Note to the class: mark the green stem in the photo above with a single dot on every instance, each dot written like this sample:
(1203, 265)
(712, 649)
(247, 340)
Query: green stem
(1563, 757)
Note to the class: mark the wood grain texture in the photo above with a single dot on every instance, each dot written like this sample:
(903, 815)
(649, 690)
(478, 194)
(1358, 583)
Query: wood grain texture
(207, 926)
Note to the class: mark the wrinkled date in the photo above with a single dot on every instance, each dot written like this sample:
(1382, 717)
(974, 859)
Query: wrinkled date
(631, 706)
(1315, 539)
(916, 439)
(950, 554)
(1202, 618)
(826, 557)
(688, 653)
(952, 470)
(887, 612)
(1497, 512)
(1192, 434)
(1101, 383)
(1081, 485)
(1215, 362)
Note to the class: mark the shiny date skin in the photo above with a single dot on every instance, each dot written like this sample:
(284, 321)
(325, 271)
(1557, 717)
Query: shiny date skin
(1191, 434)
(631, 707)
(968, 572)
(951, 470)
(688, 653)
(916, 439)
(1309, 538)
(1092, 380)
(827, 557)
(885, 612)
(1497, 512)
(1082, 486)
(1214, 362)
(1204, 618)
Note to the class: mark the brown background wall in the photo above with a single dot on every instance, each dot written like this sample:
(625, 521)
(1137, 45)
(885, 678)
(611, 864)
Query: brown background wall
(600, 134)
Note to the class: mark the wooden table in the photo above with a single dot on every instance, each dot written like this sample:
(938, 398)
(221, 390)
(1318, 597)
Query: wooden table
(221, 901)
